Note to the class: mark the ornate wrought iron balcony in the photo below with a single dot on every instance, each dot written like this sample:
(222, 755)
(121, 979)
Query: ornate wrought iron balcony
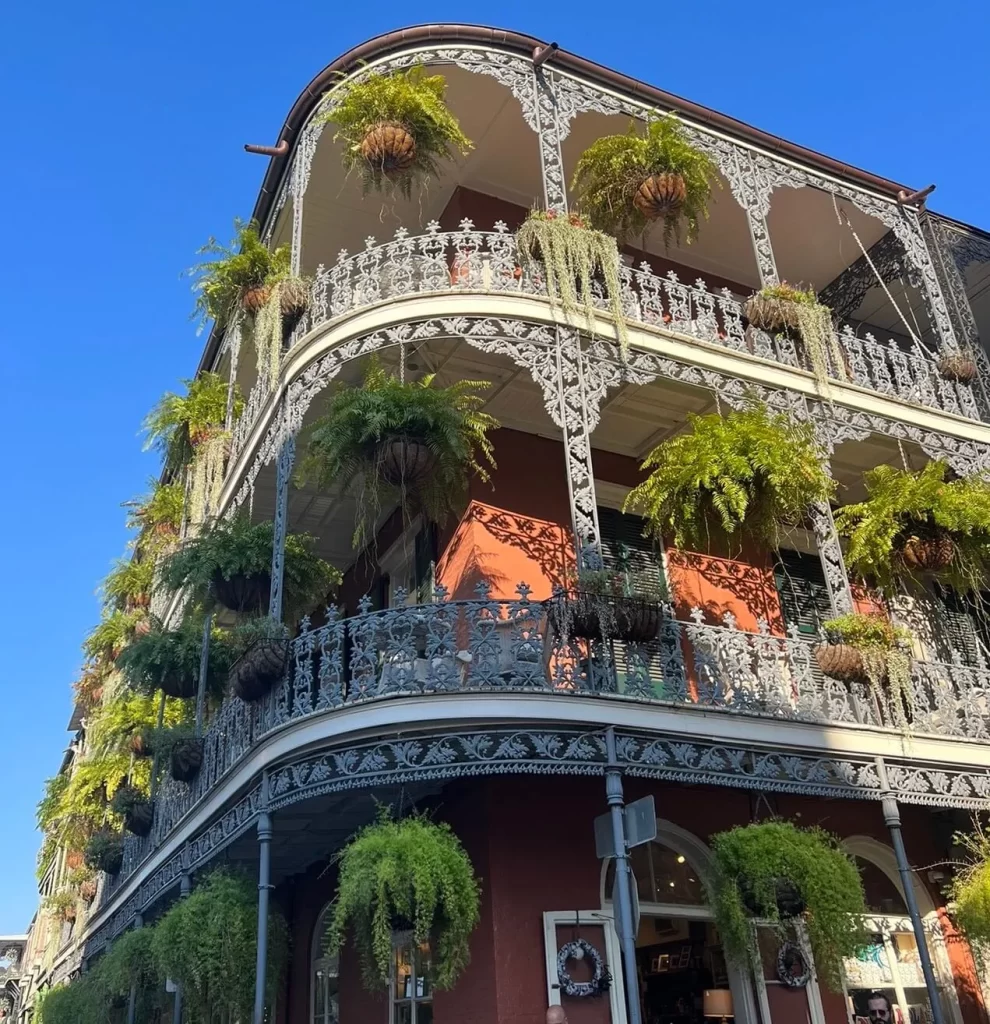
(492, 646)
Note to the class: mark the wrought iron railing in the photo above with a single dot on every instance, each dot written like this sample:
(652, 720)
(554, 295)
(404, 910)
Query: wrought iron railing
(468, 260)
(490, 645)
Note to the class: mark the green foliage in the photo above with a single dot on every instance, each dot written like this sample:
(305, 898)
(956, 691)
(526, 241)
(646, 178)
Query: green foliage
(102, 846)
(261, 628)
(207, 942)
(129, 583)
(610, 583)
(61, 904)
(406, 874)
(753, 858)
(784, 292)
(903, 505)
(571, 253)
(129, 962)
(122, 715)
(179, 422)
(158, 514)
(238, 547)
(244, 264)
(48, 806)
(971, 893)
(83, 1001)
(162, 654)
(885, 649)
(411, 99)
(752, 470)
(115, 630)
(612, 168)
(348, 441)
(126, 799)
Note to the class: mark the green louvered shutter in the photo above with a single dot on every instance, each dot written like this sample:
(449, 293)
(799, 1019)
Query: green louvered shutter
(803, 593)
(962, 627)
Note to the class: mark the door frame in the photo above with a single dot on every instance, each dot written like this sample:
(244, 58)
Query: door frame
(552, 920)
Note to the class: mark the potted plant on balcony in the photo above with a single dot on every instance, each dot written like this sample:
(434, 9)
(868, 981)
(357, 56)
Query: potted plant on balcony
(571, 256)
(181, 749)
(775, 871)
(264, 658)
(606, 604)
(169, 659)
(82, 880)
(919, 522)
(868, 648)
(105, 851)
(61, 904)
(752, 471)
(406, 876)
(395, 128)
(785, 309)
(958, 365)
(128, 586)
(157, 516)
(627, 182)
(114, 631)
(135, 808)
(230, 562)
(420, 441)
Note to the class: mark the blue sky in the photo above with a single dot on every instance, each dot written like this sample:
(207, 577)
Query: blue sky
(123, 126)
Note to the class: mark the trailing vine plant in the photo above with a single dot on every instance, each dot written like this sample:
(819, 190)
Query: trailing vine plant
(569, 254)
(409, 875)
(970, 892)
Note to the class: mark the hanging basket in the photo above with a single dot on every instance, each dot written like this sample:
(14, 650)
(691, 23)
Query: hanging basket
(958, 366)
(243, 593)
(789, 901)
(773, 315)
(841, 661)
(253, 300)
(594, 617)
(404, 462)
(928, 554)
(106, 853)
(140, 747)
(293, 300)
(87, 890)
(185, 759)
(389, 147)
(138, 818)
(178, 684)
(259, 668)
(660, 195)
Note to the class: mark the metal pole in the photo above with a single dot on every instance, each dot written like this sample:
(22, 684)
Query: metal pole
(185, 887)
(892, 819)
(623, 876)
(264, 887)
(204, 666)
(132, 998)
(154, 756)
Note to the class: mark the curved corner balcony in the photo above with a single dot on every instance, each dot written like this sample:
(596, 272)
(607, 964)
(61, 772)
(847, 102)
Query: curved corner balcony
(471, 261)
(462, 650)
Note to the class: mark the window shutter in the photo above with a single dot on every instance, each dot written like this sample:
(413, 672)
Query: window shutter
(962, 627)
(803, 593)
(424, 563)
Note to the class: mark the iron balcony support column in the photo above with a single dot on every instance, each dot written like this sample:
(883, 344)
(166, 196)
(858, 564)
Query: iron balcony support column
(892, 819)
(264, 888)
(548, 133)
(132, 997)
(204, 666)
(623, 878)
(185, 887)
(283, 470)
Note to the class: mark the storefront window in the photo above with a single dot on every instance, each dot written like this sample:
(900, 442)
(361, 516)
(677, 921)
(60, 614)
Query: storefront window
(412, 985)
(324, 976)
(662, 876)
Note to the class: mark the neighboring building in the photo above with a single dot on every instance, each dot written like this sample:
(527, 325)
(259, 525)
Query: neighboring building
(468, 704)
(12, 961)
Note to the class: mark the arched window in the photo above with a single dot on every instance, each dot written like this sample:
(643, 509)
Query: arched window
(324, 975)
(663, 875)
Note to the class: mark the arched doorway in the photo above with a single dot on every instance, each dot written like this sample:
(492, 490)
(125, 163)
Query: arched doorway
(677, 949)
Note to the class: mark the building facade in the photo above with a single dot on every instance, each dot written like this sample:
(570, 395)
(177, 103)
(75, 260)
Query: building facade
(437, 680)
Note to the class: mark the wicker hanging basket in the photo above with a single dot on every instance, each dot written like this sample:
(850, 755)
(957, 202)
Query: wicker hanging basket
(139, 817)
(254, 299)
(841, 661)
(928, 554)
(389, 147)
(242, 593)
(593, 617)
(404, 462)
(660, 195)
(293, 300)
(771, 315)
(958, 366)
(185, 759)
(259, 668)
(178, 684)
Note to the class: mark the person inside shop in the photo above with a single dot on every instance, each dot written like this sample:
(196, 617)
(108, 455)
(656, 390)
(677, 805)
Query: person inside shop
(879, 1008)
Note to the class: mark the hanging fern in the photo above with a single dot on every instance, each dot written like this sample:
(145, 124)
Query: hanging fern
(129, 584)
(751, 471)
(612, 170)
(906, 507)
(350, 440)
(407, 100)
(157, 516)
(114, 631)
(569, 254)
(406, 875)
(970, 892)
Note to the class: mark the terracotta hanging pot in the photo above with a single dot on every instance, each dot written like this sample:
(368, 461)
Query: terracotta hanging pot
(259, 668)
(928, 554)
(958, 366)
(389, 147)
(404, 462)
(840, 661)
(254, 299)
(185, 759)
(660, 195)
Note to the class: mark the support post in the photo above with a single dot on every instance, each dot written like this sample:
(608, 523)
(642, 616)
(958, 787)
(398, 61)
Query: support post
(623, 891)
(185, 887)
(204, 665)
(132, 997)
(264, 887)
(892, 819)
(283, 473)
(154, 756)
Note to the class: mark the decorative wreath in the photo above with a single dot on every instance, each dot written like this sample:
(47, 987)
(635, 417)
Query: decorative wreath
(792, 967)
(600, 978)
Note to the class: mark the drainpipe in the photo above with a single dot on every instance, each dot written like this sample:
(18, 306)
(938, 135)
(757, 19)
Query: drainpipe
(623, 877)
(892, 819)
(132, 998)
(185, 886)
(264, 887)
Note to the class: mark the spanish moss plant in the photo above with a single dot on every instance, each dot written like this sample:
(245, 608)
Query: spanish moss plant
(570, 255)
(906, 508)
(410, 875)
(751, 471)
(612, 171)
(367, 113)
(352, 440)
(750, 863)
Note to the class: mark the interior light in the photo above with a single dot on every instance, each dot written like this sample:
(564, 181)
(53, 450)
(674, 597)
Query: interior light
(672, 885)
(680, 858)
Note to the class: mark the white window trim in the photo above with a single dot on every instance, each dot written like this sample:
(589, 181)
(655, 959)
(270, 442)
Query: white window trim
(393, 1000)
(554, 919)
(314, 947)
